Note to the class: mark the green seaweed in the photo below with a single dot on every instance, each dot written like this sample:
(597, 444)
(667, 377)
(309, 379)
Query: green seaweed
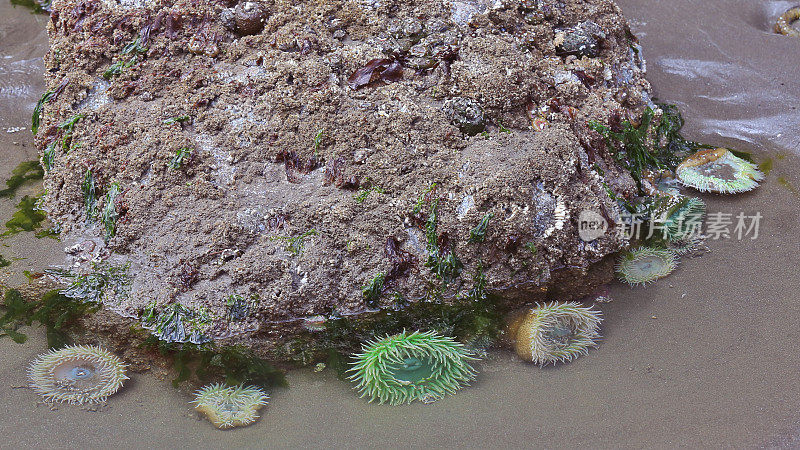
(364, 193)
(478, 291)
(472, 319)
(49, 154)
(52, 232)
(27, 217)
(373, 290)
(478, 234)
(238, 307)
(176, 119)
(98, 285)
(295, 244)
(177, 323)
(181, 155)
(318, 141)
(422, 199)
(36, 7)
(766, 166)
(54, 311)
(69, 125)
(24, 172)
(37, 110)
(532, 248)
(89, 195)
(110, 215)
(503, 129)
(443, 262)
(129, 57)
(4, 262)
(668, 135)
(647, 147)
(237, 364)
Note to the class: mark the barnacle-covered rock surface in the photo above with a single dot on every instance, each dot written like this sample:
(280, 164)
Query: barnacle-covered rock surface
(271, 166)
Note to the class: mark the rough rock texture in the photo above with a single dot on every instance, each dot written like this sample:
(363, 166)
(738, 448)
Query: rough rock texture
(320, 148)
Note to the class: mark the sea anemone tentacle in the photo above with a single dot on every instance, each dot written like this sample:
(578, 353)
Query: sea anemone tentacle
(229, 406)
(77, 374)
(555, 332)
(645, 265)
(422, 366)
(718, 170)
(684, 219)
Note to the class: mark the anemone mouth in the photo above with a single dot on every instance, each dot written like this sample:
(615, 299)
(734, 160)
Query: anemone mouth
(718, 170)
(411, 370)
(230, 406)
(561, 335)
(557, 332)
(411, 366)
(645, 265)
(77, 375)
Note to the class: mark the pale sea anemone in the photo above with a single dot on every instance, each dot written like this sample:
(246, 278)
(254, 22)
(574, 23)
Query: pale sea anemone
(645, 265)
(411, 366)
(718, 170)
(77, 374)
(230, 406)
(555, 332)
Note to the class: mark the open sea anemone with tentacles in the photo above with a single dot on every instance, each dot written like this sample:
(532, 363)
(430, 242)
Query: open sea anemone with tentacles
(645, 265)
(230, 406)
(422, 366)
(681, 217)
(555, 332)
(718, 170)
(77, 374)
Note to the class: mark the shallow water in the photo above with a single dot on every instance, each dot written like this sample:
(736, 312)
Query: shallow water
(705, 357)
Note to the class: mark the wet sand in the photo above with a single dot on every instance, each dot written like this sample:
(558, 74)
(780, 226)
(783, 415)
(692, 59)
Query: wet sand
(706, 357)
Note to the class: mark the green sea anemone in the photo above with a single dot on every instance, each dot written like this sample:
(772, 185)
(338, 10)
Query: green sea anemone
(77, 374)
(718, 170)
(645, 265)
(411, 366)
(684, 218)
(230, 406)
(555, 332)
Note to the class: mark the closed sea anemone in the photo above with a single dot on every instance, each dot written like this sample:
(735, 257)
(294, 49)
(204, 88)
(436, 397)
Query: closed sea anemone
(645, 265)
(718, 170)
(411, 366)
(786, 20)
(77, 374)
(555, 332)
(230, 406)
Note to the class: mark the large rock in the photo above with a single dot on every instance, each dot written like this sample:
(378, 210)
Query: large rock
(316, 146)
